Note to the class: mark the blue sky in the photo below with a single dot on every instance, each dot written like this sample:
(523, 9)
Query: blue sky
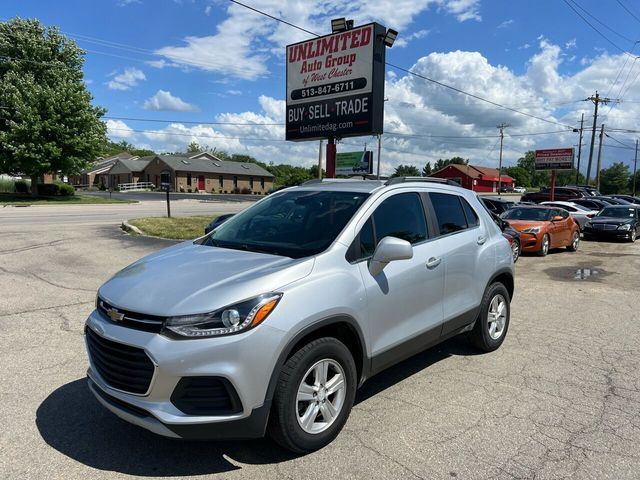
(205, 61)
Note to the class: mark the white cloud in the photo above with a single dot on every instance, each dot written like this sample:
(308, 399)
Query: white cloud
(424, 122)
(571, 44)
(403, 41)
(234, 92)
(164, 101)
(124, 3)
(126, 80)
(237, 48)
(119, 130)
(207, 10)
(506, 23)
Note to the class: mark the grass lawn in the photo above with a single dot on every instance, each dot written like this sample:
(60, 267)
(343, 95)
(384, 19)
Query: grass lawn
(175, 228)
(17, 199)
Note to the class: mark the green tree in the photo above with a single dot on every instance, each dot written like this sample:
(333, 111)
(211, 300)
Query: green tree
(637, 183)
(568, 177)
(426, 170)
(406, 171)
(440, 163)
(194, 147)
(47, 123)
(520, 175)
(614, 179)
(528, 162)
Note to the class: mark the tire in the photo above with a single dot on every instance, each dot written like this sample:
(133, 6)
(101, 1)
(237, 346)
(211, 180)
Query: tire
(544, 249)
(296, 378)
(483, 336)
(515, 250)
(575, 242)
(632, 235)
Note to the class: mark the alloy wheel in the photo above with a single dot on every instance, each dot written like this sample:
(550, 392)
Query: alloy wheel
(576, 241)
(321, 396)
(497, 316)
(515, 250)
(545, 245)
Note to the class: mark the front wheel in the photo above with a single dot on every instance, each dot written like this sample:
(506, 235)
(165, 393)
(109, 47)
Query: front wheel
(575, 242)
(515, 249)
(632, 235)
(544, 246)
(314, 396)
(493, 322)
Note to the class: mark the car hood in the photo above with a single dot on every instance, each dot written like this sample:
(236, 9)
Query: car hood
(188, 279)
(522, 224)
(613, 220)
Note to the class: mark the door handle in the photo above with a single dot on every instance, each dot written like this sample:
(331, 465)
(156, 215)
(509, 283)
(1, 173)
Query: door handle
(433, 262)
(481, 239)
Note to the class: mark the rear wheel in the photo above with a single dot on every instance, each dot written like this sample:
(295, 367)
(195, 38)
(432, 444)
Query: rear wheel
(492, 324)
(575, 242)
(515, 249)
(544, 245)
(314, 396)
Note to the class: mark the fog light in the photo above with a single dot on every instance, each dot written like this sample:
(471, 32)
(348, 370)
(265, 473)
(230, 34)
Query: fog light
(230, 318)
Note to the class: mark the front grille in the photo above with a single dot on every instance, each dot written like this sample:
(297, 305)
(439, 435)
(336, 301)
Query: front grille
(138, 321)
(121, 366)
(206, 396)
(604, 226)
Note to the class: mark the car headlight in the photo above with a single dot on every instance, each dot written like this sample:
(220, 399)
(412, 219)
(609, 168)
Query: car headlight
(588, 224)
(227, 320)
(531, 230)
(625, 226)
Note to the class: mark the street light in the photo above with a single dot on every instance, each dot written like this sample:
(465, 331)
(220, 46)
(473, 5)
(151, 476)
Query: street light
(390, 37)
(338, 24)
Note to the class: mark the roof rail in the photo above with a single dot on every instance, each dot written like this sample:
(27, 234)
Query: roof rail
(394, 180)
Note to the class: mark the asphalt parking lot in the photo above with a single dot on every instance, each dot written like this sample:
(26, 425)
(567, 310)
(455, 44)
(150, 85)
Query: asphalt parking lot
(560, 399)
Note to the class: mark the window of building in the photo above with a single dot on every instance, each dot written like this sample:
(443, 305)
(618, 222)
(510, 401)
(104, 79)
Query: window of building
(449, 212)
(251, 183)
(188, 179)
(235, 182)
(262, 183)
(221, 180)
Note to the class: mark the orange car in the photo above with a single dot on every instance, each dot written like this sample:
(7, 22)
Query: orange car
(542, 228)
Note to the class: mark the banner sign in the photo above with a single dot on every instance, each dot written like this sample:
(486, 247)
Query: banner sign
(554, 159)
(335, 85)
(354, 163)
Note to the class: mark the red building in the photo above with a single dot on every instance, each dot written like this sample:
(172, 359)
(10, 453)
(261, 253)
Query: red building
(478, 179)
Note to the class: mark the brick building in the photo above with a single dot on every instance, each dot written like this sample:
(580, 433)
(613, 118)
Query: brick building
(472, 177)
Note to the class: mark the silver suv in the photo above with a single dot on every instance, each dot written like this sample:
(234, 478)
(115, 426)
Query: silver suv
(270, 322)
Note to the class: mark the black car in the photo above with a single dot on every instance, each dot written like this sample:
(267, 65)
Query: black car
(563, 194)
(615, 221)
(496, 205)
(611, 200)
(628, 198)
(587, 189)
(592, 203)
(219, 220)
(509, 230)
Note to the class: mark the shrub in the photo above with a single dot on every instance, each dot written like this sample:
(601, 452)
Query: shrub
(21, 186)
(225, 191)
(246, 191)
(102, 187)
(48, 189)
(65, 190)
(181, 189)
(195, 189)
(188, 190)
(236, 190)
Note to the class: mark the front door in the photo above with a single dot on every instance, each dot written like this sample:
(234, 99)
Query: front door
(201, 182)
(404, 301)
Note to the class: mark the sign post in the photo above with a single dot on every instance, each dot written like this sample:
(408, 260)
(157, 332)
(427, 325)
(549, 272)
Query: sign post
(554, 159)
(335, 87)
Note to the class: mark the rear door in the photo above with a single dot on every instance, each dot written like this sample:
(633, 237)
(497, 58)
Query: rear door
(467, 256)
(404, 301)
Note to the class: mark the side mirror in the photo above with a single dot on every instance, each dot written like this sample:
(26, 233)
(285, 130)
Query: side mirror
(557, 218)
(388, 250)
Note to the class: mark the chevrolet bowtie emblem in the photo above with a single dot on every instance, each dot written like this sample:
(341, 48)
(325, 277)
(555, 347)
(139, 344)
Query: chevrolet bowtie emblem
(115, 315)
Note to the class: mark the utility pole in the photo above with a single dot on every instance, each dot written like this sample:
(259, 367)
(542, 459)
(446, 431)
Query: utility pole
(502, 126)
(599, 157)
(579, 149)
(597, 99)
(320, 160)
(635, 165)
(379, 148)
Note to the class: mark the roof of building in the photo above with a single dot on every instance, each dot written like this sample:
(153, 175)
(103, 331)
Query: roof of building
(475, 171)
(134, 164)
(102, 164)
(205, 165)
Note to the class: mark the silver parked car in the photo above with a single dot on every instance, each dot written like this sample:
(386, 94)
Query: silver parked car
(271, 322)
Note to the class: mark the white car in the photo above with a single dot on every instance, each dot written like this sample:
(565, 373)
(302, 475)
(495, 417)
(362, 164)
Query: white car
(579, 213)
(519, 189)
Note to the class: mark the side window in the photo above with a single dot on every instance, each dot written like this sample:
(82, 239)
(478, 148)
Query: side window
(449, 212)
(489, 204)
(367, 240)
(401, 216)
(472, 217)
(564, 214)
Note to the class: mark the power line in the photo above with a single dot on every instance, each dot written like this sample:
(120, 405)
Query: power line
(274, 18)
(596, 29)
(628, 11)
(191, 122)
(615, 32)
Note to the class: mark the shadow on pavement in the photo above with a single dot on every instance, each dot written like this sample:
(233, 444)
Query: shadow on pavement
(73, 422)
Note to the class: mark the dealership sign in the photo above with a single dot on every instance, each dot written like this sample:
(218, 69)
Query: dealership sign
(354, 163)
(554, 159)
(335, 85)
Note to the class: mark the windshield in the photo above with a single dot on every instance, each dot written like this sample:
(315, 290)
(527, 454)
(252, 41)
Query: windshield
(292, 223)
(533, 214)
(616, 212)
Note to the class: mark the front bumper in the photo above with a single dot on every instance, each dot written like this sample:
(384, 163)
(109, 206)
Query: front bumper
(612, 234)
(245, 360)
(530, 242)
